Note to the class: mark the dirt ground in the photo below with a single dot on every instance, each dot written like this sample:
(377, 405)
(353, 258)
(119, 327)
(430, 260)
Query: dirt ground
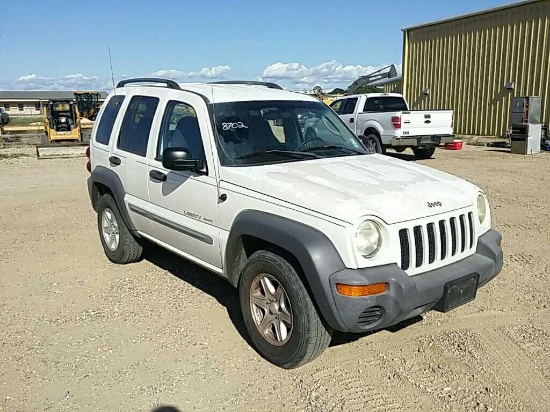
(79, 333)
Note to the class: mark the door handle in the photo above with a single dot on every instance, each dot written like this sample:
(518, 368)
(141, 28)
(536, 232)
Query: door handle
(156, 175)
(351, 120)
(115, 160)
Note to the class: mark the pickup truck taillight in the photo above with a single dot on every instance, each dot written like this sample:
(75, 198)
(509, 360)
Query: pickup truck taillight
(396, 122)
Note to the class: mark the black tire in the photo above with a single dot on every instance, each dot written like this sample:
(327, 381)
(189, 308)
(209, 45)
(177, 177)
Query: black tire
(424, 153)
(128, 249)
(399, 149)
(372, 142)
(310, 335)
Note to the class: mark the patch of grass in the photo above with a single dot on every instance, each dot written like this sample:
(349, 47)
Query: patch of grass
(25, 121)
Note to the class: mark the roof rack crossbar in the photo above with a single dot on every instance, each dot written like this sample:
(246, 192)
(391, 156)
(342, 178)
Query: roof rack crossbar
(250, 82)
(171, 84)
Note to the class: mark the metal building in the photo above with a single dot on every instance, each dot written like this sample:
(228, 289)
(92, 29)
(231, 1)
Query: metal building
(475, 63)
(29, 103)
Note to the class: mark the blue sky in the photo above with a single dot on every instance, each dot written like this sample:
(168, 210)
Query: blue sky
(64, 44)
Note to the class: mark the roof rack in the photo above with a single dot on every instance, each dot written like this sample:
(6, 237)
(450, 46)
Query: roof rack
(249, 82)
(169, 83)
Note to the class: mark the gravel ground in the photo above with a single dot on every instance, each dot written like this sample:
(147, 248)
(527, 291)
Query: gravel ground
(79, 333)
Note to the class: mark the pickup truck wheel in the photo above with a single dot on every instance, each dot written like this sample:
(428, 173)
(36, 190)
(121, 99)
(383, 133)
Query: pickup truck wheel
(424, 153)
(278, 313)
(372, 143)
(119, 244)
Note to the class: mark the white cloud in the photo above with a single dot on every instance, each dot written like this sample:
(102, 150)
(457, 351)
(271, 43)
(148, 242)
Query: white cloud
(79, 81)
(216, 72)
(73, 81)
(328, 75)
(290, 75)
(173, 74)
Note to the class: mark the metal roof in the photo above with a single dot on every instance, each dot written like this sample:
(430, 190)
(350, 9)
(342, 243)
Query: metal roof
(477, 13)
(23, 95)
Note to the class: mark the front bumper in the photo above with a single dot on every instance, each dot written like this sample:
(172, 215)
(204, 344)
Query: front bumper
(409, 296)
(422, 140)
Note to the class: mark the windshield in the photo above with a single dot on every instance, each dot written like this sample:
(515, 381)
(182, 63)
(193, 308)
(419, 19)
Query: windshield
(261, 132)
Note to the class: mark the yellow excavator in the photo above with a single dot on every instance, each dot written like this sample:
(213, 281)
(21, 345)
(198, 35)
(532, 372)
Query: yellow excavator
(88, 104)
(61, 122)
(62, 130)
(65, 122)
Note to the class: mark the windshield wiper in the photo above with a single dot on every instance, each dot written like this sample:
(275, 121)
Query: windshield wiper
(287, 153)
(336, 147)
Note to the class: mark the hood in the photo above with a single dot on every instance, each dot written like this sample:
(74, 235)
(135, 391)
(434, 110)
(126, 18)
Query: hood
(348, 188)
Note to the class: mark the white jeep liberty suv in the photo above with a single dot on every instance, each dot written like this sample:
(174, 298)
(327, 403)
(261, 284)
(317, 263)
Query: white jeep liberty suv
(316, 234)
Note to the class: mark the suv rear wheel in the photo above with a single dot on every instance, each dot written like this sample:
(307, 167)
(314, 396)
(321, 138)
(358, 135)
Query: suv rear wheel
(119, 244)
(278, 313)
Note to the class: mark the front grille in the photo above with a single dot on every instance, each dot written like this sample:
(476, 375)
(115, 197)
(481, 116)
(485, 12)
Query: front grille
(370, 316)
(423, 245)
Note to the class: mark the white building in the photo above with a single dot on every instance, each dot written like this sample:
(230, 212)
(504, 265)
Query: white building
(29, 103)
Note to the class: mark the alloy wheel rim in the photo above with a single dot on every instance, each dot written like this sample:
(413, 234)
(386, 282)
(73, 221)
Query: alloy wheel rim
(371, 146)
(271, 309)
(109, 228)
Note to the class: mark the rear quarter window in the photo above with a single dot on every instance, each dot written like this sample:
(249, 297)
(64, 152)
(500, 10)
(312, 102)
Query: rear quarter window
(107, 120)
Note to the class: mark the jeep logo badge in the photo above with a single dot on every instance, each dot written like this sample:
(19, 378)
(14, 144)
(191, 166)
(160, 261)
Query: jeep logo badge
(434, 204)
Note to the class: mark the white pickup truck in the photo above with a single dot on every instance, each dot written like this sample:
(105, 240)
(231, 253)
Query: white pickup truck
(384, 119)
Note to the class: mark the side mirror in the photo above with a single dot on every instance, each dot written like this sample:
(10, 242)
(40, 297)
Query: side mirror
(178, 158)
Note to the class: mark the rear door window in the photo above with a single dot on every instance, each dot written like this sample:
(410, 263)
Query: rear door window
(107, 120)
(136, 126)
(349, 106)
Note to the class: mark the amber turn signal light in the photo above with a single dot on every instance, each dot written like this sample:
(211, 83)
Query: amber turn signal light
(361, 290)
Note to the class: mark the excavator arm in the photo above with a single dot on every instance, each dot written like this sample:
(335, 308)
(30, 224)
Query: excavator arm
(387, 72)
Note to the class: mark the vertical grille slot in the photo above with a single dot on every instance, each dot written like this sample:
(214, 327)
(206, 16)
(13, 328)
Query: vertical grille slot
(453, 237)
(443, 238)
(419, 246)
(462, 220)
(471, 221)
(404, 241)
(431, 243)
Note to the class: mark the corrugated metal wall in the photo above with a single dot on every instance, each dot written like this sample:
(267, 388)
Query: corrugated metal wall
(393, 87)
(467, 62)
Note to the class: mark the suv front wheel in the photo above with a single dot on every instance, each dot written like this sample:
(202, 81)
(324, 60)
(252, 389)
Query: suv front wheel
(278, 313)
(119, 244)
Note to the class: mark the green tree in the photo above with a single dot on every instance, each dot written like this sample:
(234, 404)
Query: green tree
(338, 91)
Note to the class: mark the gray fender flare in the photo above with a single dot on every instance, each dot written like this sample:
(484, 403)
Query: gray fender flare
(110, 179)
(314, 252)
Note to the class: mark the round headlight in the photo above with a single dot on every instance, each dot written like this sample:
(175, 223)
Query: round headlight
(481, 208)
(368, 238)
